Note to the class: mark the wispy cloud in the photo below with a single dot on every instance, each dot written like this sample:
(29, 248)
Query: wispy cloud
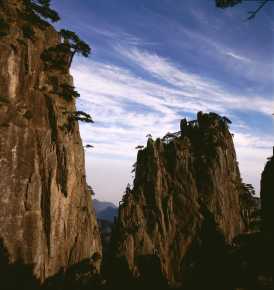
(194, 86)
(112, 94)
(237, 57)
(153, 64)
(126, 107)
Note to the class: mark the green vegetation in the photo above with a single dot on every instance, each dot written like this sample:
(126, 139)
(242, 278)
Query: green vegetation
(81, 116)
(64, 90)
(28, 31)
(38, 10)
(231, 3)
(248, 189)
(134, 166)
(90, 190)
(68, 92)
(4, 28)
(227, 3)
(75, 44)
(56, 57)
(250, 206)
(61, 55)
(75, 117)
(54, 82)
(4, 99)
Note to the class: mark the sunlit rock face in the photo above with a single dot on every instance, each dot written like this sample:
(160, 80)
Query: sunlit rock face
(184, 207)
(46, 214)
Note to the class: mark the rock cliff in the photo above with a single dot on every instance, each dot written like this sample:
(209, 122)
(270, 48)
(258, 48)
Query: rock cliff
(46, 214)
(184, 207)
(267, 197)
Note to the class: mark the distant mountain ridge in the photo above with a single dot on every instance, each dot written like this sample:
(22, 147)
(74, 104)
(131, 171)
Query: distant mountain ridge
(105, 210)
(105, 213)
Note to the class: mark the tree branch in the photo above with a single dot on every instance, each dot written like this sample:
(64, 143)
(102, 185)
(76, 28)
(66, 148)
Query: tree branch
(255, 12)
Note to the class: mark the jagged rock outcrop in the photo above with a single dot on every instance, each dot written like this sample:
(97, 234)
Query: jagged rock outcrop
(46, 214)
(184, 207)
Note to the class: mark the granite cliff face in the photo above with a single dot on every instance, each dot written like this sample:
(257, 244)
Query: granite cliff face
(46, 214)
(184, 207)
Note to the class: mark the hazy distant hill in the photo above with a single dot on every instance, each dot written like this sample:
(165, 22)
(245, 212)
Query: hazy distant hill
(105, 213)
(105, 210)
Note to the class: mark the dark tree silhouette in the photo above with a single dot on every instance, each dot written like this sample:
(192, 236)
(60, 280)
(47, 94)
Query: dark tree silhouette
(61, 55)
(227, 3)
(56, 57)
(68, 92)
(28, 31)
(250, 206)
(90, 190)
(4, 28)
(225, 119)
(41, 8)
(139, 147)
(75, 44)
(74, 117)
(134, 167)
(231, 3)
(81, 116)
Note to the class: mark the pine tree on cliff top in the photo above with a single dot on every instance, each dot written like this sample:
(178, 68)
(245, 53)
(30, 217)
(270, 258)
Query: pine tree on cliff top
(75, 44)
(42, 8)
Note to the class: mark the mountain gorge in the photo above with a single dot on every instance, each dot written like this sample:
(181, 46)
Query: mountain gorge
(189, 222)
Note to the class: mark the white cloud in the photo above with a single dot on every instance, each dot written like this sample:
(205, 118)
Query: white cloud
(252, 161)
(237, 56)
(108, 177)
(244, 64)
(194, 86)
(127, 107)
(247, 140)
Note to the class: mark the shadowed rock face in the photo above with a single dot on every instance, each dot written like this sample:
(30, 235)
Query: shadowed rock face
(46, 214)
(267, 217)
(267, 197)
(184, 206)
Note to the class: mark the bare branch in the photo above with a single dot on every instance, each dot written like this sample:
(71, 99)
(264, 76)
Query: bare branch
(252, 14)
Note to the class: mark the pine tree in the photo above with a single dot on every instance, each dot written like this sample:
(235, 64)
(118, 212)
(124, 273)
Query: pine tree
(41, 8)
(76, 45)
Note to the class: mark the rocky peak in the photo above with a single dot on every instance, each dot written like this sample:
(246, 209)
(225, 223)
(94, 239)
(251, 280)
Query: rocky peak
(186, 195)
(46, 214)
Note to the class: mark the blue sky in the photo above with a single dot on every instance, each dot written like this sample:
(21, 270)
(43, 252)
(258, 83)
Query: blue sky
(154, 62)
